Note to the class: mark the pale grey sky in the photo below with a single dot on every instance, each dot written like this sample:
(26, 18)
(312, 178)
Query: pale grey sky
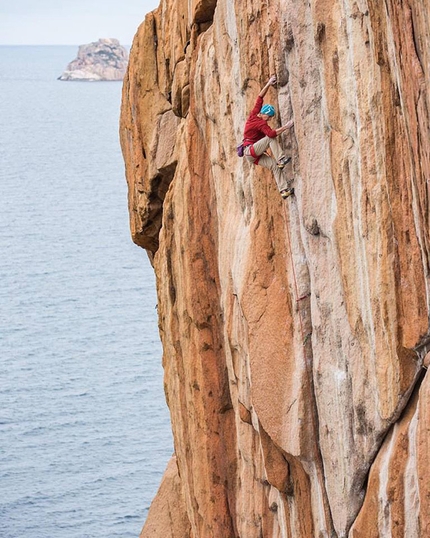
(70, 22)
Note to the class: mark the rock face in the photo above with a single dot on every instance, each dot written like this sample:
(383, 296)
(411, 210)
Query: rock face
(104, 59)
(294, 333)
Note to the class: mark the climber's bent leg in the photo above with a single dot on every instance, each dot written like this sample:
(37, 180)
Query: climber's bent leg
(275, 146)
(271, 164)
(278, 153)
(253, 152)
(261, 146)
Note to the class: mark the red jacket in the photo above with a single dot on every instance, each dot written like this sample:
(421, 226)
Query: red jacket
(256, 128)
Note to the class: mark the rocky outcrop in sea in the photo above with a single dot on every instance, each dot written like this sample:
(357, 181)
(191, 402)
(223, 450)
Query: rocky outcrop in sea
(295, 333)
(104, 59)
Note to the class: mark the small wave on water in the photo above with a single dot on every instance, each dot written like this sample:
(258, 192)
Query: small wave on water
(85, 431)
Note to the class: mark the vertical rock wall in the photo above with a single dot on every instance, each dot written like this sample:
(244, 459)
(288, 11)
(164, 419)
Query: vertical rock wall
(294, 332)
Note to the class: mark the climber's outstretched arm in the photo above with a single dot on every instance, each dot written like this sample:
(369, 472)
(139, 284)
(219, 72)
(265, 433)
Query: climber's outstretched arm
(270, 82)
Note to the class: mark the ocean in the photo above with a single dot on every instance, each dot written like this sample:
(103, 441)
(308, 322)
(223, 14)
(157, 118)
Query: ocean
(84, 427)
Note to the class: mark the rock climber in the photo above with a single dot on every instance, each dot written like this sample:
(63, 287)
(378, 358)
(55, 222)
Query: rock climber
(258, 136)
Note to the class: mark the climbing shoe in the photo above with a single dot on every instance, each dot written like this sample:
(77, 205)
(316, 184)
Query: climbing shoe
(283, 161)
(286, 193)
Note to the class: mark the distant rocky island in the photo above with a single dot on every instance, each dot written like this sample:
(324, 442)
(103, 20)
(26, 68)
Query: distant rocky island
(104, 59)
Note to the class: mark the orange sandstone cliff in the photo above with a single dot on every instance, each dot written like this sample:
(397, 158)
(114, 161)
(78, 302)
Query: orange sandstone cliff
(294, 332)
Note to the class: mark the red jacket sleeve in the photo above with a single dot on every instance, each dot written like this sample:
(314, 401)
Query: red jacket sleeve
(268, 131)
(257, 107)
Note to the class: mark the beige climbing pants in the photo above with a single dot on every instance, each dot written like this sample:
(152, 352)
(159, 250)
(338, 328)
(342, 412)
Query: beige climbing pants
(269, 162)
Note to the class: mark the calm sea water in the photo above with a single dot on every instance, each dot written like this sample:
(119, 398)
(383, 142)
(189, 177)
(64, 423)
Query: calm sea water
(84, 429)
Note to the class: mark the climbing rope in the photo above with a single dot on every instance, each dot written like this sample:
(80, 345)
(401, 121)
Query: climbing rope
(296, 288)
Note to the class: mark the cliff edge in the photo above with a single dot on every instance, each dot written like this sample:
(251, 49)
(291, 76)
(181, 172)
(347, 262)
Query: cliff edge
(294, 332)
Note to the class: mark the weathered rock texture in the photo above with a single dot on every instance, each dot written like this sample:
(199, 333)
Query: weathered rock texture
(104, 59)
(294, 333)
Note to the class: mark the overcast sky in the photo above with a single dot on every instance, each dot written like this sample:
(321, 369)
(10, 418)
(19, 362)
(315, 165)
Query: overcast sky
(70, 22)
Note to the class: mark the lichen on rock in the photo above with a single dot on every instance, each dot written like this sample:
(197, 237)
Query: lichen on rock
(294, 332)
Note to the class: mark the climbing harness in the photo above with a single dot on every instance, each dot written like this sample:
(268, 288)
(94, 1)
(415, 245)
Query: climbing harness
(253, 154)
(247, 143)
